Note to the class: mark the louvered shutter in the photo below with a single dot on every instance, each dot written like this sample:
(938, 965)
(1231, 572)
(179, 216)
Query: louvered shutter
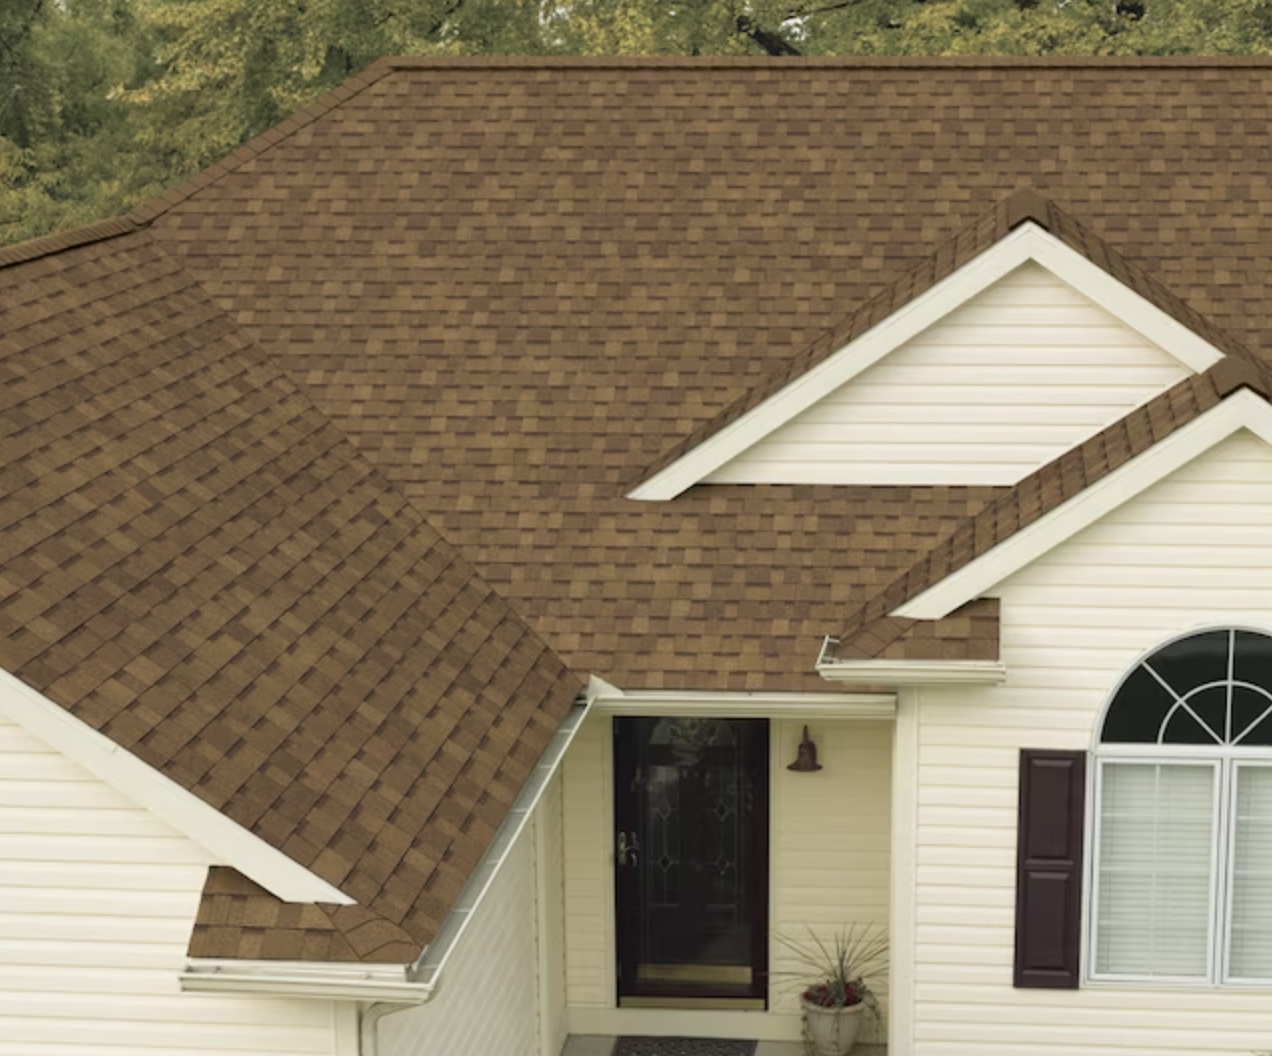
(1049, 868)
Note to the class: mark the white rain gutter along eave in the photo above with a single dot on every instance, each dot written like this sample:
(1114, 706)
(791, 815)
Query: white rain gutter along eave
(908, 672)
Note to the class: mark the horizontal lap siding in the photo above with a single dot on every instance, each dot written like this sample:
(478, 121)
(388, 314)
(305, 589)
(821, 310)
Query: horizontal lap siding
(1018, 375)
(830, 839)
(1073, 623)
(97, 898)
(487, 1000)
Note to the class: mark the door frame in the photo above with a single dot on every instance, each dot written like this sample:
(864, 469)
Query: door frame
(620, 807)
(609, 701)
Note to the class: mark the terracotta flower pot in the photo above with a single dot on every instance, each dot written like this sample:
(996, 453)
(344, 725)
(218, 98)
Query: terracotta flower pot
(832, 1031)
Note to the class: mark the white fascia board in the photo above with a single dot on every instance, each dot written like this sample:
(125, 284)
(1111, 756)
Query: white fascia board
(1026, 243)
(225, 840)
(332, 982)
(1141, 315)
(914, 672)
(694, 703)
(1241, 410)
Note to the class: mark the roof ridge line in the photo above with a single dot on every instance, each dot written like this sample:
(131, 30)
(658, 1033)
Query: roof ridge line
(152, 208)
(56, 241)
(766, 62)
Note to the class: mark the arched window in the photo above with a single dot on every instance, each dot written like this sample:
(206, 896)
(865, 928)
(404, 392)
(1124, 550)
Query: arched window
(1182, 848)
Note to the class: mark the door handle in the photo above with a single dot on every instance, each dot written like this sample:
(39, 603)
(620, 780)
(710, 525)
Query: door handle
(628, 848)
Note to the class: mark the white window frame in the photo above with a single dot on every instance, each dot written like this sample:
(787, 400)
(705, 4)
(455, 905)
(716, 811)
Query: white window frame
(1154, 757)
(1226, 759)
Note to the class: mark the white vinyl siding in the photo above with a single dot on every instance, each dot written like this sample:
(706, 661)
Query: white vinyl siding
(1193, 551)
(1019, 374)
(1154, 885)
(487, 1001)
(830, 842)
(97, 899)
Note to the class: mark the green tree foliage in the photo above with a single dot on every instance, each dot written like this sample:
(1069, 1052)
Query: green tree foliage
(65, 150)
(232, 68)
(105, 102)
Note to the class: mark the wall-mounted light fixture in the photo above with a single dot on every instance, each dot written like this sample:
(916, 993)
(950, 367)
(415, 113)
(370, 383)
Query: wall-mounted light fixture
(806, 761)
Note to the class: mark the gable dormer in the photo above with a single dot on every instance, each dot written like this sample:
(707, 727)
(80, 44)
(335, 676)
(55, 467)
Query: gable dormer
(977, 373)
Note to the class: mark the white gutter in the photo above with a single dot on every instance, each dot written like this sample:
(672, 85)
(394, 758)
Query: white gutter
(342, 981)
(908, 672)
(427, 970)
(864, 705)
(401, 985)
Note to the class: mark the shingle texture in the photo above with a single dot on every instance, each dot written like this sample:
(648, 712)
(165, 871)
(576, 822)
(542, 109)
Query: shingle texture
(291, 453)
(520, 285)
(195, 562)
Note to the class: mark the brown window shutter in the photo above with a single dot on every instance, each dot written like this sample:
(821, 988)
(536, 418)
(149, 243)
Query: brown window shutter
(1049, 868)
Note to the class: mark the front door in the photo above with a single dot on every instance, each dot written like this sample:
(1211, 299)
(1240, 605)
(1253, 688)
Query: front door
(691, 852)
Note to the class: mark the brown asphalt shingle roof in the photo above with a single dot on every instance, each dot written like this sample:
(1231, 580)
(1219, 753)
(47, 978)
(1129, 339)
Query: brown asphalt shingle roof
(196, 563)
(511, 287)
(517, 285)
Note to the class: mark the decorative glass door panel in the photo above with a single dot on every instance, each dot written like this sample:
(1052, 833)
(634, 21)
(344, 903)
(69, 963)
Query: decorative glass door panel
(691, 854)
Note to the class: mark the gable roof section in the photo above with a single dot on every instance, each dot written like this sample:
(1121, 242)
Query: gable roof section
(1022, 227)
(197, 564)
(1080, 486)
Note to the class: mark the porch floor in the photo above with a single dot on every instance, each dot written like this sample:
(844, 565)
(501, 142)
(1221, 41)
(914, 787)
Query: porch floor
(603, 1045)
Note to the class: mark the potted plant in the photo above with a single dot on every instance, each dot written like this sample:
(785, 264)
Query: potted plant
(838, 994)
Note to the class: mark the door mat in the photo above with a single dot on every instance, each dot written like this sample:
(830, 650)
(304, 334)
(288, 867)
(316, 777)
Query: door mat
(683, 1047)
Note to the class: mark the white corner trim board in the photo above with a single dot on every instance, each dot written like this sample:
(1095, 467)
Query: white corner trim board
(1029, 242)
(225, 840)
(1241, 410)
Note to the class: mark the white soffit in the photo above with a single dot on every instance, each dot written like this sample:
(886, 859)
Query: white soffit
(1241, 410)
(224, 839)
(1029, 242)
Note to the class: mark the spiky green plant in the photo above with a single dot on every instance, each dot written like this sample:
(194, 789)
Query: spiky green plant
(841, 965)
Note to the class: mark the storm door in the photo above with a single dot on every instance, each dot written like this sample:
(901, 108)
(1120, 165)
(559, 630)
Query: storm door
(691, 854)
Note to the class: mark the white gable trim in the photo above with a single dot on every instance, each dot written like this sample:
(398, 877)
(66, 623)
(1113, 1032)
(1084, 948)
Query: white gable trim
(226, 840)
(1029, 242)
(1241, 410)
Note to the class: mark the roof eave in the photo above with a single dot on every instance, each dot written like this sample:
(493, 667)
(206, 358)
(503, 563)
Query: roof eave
(334, 981)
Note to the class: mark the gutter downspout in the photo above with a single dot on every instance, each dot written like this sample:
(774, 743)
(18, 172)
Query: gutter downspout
(369, 1022)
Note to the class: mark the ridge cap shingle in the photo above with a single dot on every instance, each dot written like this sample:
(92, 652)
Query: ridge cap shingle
(72, 238)
(254, 147)
(767, 62)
